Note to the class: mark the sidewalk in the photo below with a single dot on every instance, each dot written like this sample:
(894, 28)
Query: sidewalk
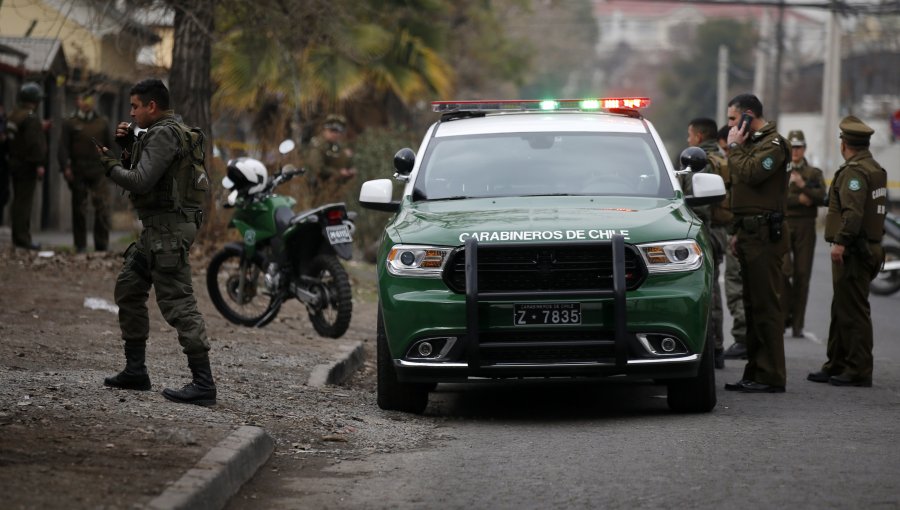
(126, 448)
(59, 240)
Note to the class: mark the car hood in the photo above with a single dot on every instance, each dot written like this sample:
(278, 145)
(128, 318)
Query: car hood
(542, 219)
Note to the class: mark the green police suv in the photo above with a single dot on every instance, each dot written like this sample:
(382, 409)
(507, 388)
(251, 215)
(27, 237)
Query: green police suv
(543, 239)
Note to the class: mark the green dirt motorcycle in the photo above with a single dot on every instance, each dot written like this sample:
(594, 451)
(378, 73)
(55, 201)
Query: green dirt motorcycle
(283, 255)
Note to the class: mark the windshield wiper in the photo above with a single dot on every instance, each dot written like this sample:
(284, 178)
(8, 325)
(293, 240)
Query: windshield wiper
(456, 197)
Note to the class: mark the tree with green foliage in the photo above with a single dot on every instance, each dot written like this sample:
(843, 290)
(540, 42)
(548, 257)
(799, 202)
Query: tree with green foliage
(689, 86)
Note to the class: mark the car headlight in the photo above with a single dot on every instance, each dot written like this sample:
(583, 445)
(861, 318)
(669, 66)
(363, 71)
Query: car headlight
(672, 256)
(409, 260)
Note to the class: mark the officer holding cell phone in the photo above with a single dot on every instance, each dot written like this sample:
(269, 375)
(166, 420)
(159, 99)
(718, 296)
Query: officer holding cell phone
(758, 159)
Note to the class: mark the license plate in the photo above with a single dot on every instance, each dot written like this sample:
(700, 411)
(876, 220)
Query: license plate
(526, 314)
(338, 234)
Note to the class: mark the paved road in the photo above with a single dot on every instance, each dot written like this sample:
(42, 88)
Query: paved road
(601, 445)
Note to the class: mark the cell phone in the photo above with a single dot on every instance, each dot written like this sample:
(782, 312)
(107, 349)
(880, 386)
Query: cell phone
(746, 119)
(98, 144)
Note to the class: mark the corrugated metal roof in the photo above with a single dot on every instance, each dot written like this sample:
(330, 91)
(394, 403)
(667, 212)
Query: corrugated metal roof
(40, 53)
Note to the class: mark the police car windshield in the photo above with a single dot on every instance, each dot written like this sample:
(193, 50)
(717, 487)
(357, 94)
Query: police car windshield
(538, 164)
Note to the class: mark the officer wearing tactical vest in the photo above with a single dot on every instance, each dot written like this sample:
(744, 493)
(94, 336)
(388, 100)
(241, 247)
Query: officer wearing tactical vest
(806, 192)
(80, 164)
(854, 226)
(716, 217)
(162, 169)
(27, 157)
(757, 160)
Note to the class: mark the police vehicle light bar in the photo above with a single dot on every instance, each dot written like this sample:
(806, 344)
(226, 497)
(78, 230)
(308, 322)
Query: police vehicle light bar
(518, 105)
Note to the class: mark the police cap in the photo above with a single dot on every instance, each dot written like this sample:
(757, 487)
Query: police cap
(336, 122)
(855, 131)
(796, 138)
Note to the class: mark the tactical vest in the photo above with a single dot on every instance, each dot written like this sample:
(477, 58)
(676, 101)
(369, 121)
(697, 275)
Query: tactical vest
(185, 185)
(27, 142)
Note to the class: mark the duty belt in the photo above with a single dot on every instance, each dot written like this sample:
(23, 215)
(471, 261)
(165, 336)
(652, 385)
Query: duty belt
(750, 224)
(155, 220)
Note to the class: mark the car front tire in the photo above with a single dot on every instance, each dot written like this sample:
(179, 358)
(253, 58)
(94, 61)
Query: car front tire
(394, 395)
(698, 394)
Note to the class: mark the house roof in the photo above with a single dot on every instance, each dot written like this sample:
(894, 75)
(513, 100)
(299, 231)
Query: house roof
(652, 9)
(41, 55)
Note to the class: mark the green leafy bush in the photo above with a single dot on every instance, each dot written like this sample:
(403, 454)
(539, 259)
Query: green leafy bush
(373, 157)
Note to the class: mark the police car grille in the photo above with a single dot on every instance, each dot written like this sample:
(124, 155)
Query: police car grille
(557, 268)
(545, 347)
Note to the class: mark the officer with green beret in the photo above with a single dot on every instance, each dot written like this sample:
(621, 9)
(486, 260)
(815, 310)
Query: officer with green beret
(854, 226)
(329, 161)
(757, 161)
(27, 160)
(806, 192)
(80, 164)
(167, 192)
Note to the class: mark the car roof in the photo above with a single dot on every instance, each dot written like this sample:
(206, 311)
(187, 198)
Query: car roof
(533, 122)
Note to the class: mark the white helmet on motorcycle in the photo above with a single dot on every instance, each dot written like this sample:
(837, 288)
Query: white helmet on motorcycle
(246, 175)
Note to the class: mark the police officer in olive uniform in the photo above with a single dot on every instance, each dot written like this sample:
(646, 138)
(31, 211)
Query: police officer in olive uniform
(715, 217)
(329, 161)
(806, 192)
(154, 169)
(757, 160)
(80, 164)
(27, 157)
(854, 226)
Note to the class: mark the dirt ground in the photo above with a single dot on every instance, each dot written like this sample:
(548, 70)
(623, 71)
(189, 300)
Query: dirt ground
(66, 441)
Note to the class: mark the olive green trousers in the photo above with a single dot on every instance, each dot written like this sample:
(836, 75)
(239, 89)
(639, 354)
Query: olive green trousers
(761, 272)
(850, 335)
(159, 259)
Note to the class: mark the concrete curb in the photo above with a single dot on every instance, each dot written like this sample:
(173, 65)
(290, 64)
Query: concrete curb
(220, 473)
(350, 358)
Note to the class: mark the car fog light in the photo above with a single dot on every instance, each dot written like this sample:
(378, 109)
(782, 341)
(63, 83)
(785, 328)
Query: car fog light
(425, 349)
(668, 344)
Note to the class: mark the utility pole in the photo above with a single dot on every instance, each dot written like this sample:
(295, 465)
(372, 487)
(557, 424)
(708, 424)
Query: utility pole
(775, 103)
(831, 91)
(759, 76)
(722, 86)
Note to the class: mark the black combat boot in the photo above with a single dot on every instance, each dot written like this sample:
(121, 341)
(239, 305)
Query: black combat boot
(201, 391)
(134, 377)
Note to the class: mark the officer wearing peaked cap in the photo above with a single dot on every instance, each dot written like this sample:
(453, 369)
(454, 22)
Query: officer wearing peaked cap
(329, 161)
(806, 192)
(854, 225)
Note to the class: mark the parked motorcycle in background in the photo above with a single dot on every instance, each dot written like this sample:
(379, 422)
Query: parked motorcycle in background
(283, 255)
(888, 280)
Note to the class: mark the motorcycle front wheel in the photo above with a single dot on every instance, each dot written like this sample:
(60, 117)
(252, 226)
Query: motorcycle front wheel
(887, 282)
(331, 317)
(238, 290)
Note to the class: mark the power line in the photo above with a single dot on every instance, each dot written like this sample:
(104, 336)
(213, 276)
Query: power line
(843, 7)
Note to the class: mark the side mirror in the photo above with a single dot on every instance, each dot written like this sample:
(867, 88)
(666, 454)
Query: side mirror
(286, 146)
(708, 189)
(404, 161)
(693, 158)
(376, 195)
